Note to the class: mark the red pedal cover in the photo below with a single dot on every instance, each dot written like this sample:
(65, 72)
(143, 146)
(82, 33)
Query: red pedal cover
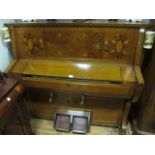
(62, 122)
(80, 124)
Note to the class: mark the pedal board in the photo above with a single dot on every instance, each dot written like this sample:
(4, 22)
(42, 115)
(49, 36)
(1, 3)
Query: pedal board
(72, 120)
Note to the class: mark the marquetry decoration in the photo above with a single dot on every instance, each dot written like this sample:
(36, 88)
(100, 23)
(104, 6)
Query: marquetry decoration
(68, 42)
(33, 44)
(117, 46)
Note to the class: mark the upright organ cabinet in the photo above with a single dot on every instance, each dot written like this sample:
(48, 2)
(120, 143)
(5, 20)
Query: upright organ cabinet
(86, 66)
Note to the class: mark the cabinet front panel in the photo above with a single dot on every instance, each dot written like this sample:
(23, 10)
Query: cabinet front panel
(104, 110)
(115, 44)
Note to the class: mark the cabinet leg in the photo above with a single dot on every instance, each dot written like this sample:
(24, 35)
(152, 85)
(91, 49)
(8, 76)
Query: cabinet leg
(124, 123)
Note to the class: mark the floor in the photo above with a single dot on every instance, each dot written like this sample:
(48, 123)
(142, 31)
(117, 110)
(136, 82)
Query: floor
(45, 127)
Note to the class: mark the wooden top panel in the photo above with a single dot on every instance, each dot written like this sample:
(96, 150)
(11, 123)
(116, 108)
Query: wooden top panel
(86, 23)
(74, 70)
(75, 42)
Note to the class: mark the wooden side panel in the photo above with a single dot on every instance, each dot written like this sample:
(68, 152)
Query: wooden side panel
(139, 49)
(115, 44)
(13, 42)
(145, 114)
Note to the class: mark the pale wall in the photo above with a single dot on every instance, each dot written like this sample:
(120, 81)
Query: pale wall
(5, 57)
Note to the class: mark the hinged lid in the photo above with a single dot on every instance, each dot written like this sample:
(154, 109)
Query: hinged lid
(73, 70)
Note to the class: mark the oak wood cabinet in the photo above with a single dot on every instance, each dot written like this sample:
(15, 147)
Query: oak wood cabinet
(60, 64)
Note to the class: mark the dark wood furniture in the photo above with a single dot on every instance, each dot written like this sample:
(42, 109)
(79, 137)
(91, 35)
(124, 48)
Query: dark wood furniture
(144, 112)
(91, 66)
(14, 119)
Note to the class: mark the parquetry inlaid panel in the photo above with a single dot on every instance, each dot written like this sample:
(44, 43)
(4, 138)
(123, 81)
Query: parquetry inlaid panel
(76, 42)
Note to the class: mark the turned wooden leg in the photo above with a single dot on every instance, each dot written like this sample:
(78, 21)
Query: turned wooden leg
(124, 122)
